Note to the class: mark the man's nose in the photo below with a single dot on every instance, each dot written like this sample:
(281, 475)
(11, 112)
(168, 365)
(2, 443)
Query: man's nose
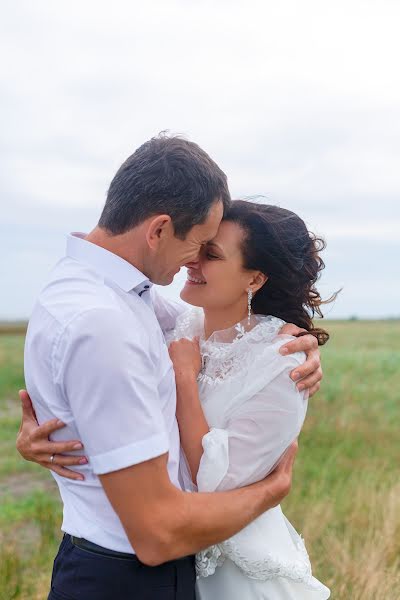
(193, 264)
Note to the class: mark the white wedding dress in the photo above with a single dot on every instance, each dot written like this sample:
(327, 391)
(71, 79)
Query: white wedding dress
(254, 412)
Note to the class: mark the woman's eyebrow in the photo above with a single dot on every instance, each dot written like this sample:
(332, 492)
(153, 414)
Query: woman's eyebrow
(211, 243)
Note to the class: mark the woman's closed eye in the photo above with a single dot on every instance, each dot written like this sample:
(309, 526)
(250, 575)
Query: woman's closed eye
(211, 256)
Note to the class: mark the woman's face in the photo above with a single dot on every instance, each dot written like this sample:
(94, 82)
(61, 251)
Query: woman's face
(218, 280)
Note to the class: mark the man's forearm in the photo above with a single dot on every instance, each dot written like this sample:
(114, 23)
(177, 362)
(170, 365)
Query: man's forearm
(196, 521)
(163, 523)
(219, 515)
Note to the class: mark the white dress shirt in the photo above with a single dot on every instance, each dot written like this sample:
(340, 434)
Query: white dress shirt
(96, 358)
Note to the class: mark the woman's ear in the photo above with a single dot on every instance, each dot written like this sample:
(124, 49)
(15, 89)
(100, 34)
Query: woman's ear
(257, 281)
(159, 227)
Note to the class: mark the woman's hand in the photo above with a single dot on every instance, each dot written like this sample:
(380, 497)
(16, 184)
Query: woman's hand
(34, 445)
(186, 358)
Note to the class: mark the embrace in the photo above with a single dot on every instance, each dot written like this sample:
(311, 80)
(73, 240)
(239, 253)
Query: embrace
(188, 415)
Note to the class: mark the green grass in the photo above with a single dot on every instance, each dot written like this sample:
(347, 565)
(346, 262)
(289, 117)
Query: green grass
(30, 511)
(345, 497)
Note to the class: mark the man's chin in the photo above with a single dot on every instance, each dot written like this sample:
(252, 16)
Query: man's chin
(165, 280)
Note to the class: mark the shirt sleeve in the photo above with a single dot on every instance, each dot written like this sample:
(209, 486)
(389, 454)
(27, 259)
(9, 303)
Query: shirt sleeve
(256, 436)
(107, 376)
(167, 311)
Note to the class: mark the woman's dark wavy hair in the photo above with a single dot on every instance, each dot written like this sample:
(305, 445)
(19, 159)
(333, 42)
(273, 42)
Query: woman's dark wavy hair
(277, 243)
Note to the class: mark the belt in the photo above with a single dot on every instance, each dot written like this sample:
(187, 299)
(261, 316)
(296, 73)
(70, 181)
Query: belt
(96, 549)
(91, 547)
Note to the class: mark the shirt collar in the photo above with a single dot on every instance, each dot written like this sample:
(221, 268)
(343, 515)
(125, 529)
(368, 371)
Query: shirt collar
(111, 266)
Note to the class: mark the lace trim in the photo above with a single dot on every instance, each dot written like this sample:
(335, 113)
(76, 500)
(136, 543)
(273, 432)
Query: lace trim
(270, 567)
(229, 352)
(189, 324)
(223, 360)
(208, 560)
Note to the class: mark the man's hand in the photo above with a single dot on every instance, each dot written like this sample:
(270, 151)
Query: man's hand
(34, 445)
(308, 375)
(280, 480)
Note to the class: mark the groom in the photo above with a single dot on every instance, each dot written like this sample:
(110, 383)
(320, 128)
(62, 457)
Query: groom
(96, 359)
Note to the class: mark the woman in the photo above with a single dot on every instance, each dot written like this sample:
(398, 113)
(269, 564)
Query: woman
(237, 417)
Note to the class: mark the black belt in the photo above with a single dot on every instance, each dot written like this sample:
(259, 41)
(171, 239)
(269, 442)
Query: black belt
(91, 547)
(96, 549)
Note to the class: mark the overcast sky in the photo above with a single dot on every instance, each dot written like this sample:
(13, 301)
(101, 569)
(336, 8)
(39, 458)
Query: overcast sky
(297, 101)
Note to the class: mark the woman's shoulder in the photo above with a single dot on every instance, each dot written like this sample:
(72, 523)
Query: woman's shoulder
(266, 328)
(269, 339)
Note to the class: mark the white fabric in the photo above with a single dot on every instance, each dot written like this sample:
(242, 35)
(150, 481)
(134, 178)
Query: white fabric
(167, 310)
(96, 357)
(254, 411)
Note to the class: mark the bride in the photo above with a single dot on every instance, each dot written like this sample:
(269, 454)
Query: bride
(237, 409)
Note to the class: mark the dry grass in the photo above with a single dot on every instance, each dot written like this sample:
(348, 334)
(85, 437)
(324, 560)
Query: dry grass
(361, 559)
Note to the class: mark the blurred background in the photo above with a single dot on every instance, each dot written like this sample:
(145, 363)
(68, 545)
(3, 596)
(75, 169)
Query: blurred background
(297, 102)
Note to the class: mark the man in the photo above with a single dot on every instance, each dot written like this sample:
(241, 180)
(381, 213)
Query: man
(96, 360)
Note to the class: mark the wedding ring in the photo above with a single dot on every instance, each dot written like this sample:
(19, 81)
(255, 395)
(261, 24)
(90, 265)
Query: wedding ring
(52, 459)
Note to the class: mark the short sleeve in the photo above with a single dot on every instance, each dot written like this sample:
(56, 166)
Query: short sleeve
(107, 377)
(255, 437)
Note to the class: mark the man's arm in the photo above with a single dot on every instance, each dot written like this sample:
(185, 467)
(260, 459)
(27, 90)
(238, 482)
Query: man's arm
(163, 523)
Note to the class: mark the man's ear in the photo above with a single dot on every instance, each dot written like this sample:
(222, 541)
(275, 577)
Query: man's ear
(159, 227)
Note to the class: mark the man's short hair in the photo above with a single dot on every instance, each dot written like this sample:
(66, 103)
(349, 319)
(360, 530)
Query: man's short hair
(166, 175)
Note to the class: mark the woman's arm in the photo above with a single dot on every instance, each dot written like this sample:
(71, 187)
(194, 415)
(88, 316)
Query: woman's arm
(256, 435)
(186, 358)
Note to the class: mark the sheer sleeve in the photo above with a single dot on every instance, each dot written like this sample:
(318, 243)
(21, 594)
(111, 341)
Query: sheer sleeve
(166, 310)
(256, 435)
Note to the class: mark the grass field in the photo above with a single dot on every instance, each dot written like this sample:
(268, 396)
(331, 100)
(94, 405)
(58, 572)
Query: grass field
(346, 492)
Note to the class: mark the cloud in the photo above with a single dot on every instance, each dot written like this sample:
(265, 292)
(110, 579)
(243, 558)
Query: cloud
(296, 101)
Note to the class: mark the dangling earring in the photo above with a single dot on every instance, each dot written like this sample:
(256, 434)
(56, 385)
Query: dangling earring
(249, 299)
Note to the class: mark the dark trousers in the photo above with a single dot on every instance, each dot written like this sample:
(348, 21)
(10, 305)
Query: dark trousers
(82, 575)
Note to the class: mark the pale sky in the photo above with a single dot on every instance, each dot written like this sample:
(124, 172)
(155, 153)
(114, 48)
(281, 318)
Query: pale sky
(296, 101)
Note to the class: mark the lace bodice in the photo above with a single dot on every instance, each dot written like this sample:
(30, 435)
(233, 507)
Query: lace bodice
(227, 353)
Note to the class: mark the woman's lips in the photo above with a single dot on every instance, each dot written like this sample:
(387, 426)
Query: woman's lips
(192, 280)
